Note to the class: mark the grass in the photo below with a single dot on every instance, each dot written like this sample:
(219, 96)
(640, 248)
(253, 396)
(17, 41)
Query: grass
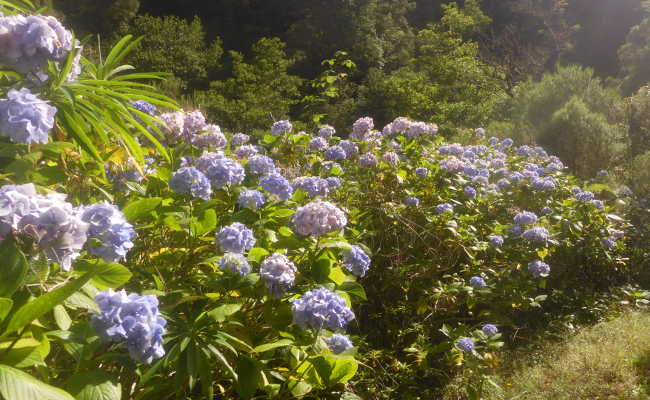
(610, 360)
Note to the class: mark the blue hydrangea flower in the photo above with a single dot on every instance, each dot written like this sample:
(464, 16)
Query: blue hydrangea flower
(194, 122)
(411, 201)
(317, 144)
(236, 238)
(213, 137)
(144, 106)
(319, 218)
(493, 141)
(507, 142)
(444, 208)
(496, 240)
(251, 199)
(350, 148)
(477, 282)
(191, 180)
(244, 151)
(326, 131)
(536, 234)
(25, 118)
(278, 274)
(608, 242)
(278, 185)
(335, 153)
(361, 127)
(108, 225)
(239, 139)
(585, 197)
(503, 184)
(547, 210)
(525, 218)
(221, 170)
(390, 157)
(538, 268)
(321, 308)
(281, 127)
(261, 165)
(545, 183)
(490, 330)
(235, 262)
(421, 172)
(338, 343)
(133, 320)
(367, 160)
(465, 344)
(470, 192)
(312, 185)
(333, 182)
(356, 261)
(575, 190)
(480, 132)
(598, 204)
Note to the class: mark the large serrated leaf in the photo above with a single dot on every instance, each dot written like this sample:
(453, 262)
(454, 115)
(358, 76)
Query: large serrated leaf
(18, 385)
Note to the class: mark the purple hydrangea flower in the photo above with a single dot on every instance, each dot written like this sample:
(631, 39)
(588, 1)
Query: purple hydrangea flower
(507, 142)
(247, 150)
(108, 225)
(278, 185)
(221, 170)
(480, 132)
(194, 122)
(496, 240)
(132, 319)
(547, 210)
(333, 182)
(545, 183)
(236, 238)
(421, 172)
(335, 153)
(317, 144)
(444, 208)
(191, 180)
(281, 127)
(173, 125)
(278, 274)
(411, 201)
(361, 127)
(538, 268)
(319, 218)
(585, 197)
(536, 234)
(391, 157)
(525, 218)
(239, 139)
(470, 192)
(608, 242)
(598, 204)
(465, 344)
(477, 282)
(212, 138)
(235, 262)
(261, 165)
(356, 261)
(251, 199)
(350, 148)
(25, 118)
(143, 106)
(312, 185)
(326, 132)
(367, 160)
(400, 125)
(320, 308)
(338, 343)
(490, 330)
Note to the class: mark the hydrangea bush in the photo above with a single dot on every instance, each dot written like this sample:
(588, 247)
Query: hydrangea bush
(152, 255)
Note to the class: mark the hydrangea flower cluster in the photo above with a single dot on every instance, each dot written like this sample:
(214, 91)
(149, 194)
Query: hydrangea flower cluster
(367, 160)
(239, 139)
(246, 151)
(335, 153)
(220, 170)
(444, 208)
(411, 201)
(490, 330)
(525, 218)
(421, 172)
(235, 262)
(361, 127)
(213, 137)
(312, 185)
(278, 274)
(133, 320)
(536, 234)
(318, 144)
(496, 240)
(333, 182)
(465, 344)
(470, 192)
(277, 185)
(191, 180)
(356, 261)
(477, 282)
(321, 308)
(108, 225)
(350, 148)
(25, 118)
(251, 199)
(391, 157)
(281, 127)
(173, 125)
(236, 238)
(338, 343)
(326, 132)
(194, 122)
(261, 165)
(319, 218)
(538, 268)
(27, 43)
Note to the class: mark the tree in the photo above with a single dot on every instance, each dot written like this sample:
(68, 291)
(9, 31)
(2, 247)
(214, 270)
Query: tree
(172, 44)
(634, 57)
(86, 17)
(257, 92)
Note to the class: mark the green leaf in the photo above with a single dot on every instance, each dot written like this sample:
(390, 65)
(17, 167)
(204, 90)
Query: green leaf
(94, 385)
(45, 303)
(256, 254)
(334, 370)
(206, 224)
(249, 375)
(18, 385)
(321, 269)
(24, 353)
(270, 346)
(337, 275)
(106, 275)
(220, 313)
(14, 268)
(354, 289)
(63, 320)
(139, 209)
(5, 307)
